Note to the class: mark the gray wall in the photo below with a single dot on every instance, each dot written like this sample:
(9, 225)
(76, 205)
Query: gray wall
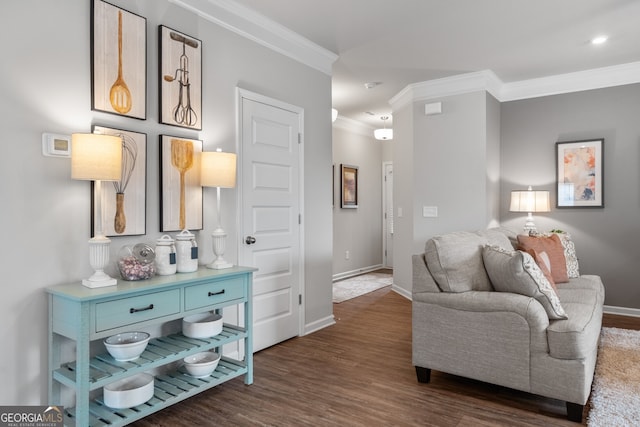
(447, 161)
(358, 231)
(45, 87)
(606, 239)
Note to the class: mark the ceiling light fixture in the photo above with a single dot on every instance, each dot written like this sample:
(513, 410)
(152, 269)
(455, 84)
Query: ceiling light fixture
(599, 40)
(383, 134)
(371, 85)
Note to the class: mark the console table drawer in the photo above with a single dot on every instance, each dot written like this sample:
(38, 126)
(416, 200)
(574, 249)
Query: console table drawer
(128, 311)
(213, 293)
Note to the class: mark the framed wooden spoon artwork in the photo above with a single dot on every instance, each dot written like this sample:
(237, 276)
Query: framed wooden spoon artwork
(180, 189)
(118, 61)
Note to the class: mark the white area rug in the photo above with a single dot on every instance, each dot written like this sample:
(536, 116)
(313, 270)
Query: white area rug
(359, 285)
(615, 398)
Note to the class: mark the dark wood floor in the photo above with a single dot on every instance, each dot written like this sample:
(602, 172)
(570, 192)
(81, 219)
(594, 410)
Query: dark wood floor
(359, 373)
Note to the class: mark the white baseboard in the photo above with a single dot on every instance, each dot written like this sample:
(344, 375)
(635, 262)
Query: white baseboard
(352, 273)
(401, 291)
(319, 324)
(622, 311)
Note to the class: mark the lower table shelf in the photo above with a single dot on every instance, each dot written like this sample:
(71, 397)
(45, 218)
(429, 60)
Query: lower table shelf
(168, 389)
(104, 369)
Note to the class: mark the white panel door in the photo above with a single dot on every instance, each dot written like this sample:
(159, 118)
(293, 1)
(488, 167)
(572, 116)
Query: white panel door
(270, 210)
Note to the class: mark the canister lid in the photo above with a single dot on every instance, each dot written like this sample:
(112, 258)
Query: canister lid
(165, 240)
(185, 235)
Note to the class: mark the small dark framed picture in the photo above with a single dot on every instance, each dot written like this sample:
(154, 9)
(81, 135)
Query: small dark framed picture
(180, 189)
(349, 186)
(580, 174)
(124, 202)
(118, 61)
(180, 79)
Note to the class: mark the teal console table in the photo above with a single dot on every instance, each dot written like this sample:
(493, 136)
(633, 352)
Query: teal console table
(85, 315)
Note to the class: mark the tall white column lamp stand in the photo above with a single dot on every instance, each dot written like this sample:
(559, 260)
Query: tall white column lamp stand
(97, 158)
(218, 169)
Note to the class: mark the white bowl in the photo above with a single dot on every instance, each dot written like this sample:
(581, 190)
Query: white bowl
(127, 346)
(129, 392)
(201, 364)
(203, 325)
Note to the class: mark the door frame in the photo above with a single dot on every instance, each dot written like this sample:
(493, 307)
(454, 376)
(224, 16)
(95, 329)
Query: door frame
(256, 97)
(385, 227)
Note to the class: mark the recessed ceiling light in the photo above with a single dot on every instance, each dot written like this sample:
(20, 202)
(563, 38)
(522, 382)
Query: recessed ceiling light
(599, 40)
(371, 85)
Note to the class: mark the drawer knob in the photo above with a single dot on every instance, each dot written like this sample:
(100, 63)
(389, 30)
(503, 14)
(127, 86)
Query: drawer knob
(136, 310)
(211, 294)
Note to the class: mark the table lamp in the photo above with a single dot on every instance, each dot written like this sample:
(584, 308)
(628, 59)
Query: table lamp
(530, 201)
(218, 169)
(97, 158)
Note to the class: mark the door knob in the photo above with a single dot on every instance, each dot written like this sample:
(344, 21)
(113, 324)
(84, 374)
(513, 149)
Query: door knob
(250, 240)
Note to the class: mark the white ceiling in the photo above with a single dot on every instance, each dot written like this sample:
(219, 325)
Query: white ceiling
(408, 41)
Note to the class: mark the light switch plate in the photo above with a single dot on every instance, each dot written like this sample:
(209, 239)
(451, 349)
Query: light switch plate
(430, 211)
(56, 145)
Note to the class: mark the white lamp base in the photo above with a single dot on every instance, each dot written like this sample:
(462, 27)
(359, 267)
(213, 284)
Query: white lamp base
(529, 226)
(98, 259)
(219, 238)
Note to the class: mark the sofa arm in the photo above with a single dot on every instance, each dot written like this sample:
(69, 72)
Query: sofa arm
(480, 301)
(422, 279)
(488, 336)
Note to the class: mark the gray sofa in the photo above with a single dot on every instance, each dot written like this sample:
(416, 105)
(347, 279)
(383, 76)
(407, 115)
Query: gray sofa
(462, 326)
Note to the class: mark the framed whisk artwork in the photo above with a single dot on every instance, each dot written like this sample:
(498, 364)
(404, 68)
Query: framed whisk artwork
(180, 189)
(124, 202)
(118, 61)
(180, 79)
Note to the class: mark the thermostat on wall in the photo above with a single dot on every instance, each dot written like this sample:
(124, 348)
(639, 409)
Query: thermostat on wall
(54, 145)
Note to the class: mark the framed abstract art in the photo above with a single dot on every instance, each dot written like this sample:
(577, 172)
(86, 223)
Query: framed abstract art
(580, 174)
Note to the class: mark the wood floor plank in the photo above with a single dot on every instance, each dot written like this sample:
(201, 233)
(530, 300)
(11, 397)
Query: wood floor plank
(358, 372)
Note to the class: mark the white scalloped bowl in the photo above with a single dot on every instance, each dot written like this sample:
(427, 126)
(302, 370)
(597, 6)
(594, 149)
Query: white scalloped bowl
(203, 325)
(201, 364)
(127, 346)
(129, 392)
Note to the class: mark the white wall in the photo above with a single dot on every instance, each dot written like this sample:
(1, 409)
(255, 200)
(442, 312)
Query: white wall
(45, 87)
(448, 161)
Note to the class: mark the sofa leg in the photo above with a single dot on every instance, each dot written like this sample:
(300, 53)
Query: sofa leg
(574, 412)
(423, 374)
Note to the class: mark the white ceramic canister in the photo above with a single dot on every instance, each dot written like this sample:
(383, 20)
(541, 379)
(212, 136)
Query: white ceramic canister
(165, 256)
(187, 252)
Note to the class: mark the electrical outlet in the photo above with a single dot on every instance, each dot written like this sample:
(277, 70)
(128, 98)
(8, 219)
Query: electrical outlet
(346, 255)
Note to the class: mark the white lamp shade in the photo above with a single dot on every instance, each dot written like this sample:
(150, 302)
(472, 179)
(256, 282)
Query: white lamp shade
(383, 134)
(96, 157)
(530, 201)
(218, 169)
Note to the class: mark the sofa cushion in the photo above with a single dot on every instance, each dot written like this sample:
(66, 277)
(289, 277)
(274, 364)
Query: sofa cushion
(577, 336)
(553, 247)
(517, 272)
(455, 259)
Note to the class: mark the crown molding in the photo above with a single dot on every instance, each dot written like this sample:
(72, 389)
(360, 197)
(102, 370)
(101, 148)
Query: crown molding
(597, 78)
(486, 80)
(258, 28)
(459, 84)
(354, 126)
